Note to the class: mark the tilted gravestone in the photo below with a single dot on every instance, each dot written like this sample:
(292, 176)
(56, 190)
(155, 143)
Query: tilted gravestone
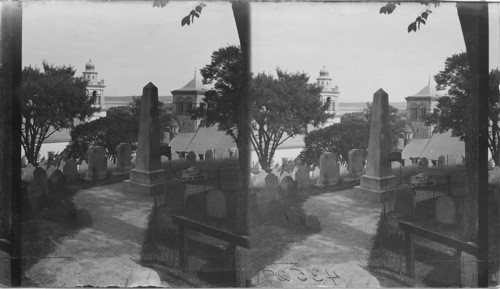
(57, 182)
(445, 210)
(98, 165)
(355, 163)
(271, 181)
(404, 200)
(302, 177)
(287, 188)
(123, 158)
(329, 170)
(423, 163)
(216, 204)
(209, 155)
(70, 169)
(191, 158)
(441, 161)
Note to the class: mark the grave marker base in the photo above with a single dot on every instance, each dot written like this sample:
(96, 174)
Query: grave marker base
(139, 188)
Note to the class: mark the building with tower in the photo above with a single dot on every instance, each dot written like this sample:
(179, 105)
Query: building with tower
(330, 95)
(418, 106)
(95, 87)
(184, 100)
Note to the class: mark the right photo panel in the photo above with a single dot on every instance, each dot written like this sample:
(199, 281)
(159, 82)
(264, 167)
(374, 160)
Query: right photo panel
(375, 145)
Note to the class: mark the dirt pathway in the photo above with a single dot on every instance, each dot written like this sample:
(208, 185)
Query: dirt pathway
(340, 250)
(105, 253)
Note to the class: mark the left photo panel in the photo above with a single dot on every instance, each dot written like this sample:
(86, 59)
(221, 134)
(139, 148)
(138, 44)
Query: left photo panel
(124, 147)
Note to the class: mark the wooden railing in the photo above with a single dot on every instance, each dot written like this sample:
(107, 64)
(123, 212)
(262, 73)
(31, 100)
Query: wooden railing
(411, 230)
(184, 223)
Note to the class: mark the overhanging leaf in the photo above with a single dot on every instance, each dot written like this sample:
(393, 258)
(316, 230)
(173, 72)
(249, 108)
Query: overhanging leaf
(186, 20)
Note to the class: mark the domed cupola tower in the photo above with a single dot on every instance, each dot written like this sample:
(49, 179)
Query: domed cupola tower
(330, 95)
(95, 87)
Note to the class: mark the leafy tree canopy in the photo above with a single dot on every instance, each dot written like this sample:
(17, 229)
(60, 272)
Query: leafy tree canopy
(282, 107)
(455, 78)
(51, 100)
(220, 105)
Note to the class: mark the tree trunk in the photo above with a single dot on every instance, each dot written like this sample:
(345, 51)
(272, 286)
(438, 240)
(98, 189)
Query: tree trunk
(10, 132)
(474, 21)
(241, 11)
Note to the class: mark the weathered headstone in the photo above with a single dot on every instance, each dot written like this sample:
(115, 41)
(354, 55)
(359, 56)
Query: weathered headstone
(174, 194)
(123, 158)
(441, 161)
(216, 204)
(191, 158)
(378, 183)
(313, 222)
(468, 270)
(423, 163)
(57, 182)
(147, 177)
(70, 169)
(233, 152)
(445, 210)
(143, 277)
(84, 217)
(287, 188)
(271, 181)
(98, 164)
(355, 163)
(36, 189)
(302, 177)
(329, 170)
(209, 155)
(404, 200)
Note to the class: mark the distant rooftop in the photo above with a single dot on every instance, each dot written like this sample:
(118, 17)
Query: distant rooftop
(194, 85)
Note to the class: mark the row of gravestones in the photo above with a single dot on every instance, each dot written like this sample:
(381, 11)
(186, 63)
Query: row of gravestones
(211, 155)
(423, 163)
(97, 167)
(445, 210)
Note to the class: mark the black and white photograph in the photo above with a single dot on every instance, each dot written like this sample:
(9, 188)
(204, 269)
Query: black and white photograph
(164, 143)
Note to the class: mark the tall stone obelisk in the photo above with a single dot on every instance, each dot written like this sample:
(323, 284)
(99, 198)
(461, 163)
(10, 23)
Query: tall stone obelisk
(147, 177)
(378, 183)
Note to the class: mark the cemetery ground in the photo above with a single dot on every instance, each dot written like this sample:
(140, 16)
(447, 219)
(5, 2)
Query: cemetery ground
(436, 265)
(59, 249)
(211, 260)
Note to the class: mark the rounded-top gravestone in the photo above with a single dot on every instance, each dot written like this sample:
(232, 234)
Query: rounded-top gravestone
(302, 177)
(423, 163)
(216, 204)
(143, 277)
(329, 169)
(404, 200)
(209, 155)
(57, 182)
(355, 163)
(98, 165)
(123, 158)
(271, 181)
(441, 161)
(287, 188)
(445, 210)
(70, 169)
(191, 157)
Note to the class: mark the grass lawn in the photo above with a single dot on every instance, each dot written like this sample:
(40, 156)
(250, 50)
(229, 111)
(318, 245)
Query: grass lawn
(436, 265)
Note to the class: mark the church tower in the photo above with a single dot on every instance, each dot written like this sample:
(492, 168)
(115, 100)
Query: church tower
(95, 87)
(184, 100)
(418, 106)
(329, 95)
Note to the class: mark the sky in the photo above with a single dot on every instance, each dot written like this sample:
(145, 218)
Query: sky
(133, 43)
(130, 43)
(362, 49)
